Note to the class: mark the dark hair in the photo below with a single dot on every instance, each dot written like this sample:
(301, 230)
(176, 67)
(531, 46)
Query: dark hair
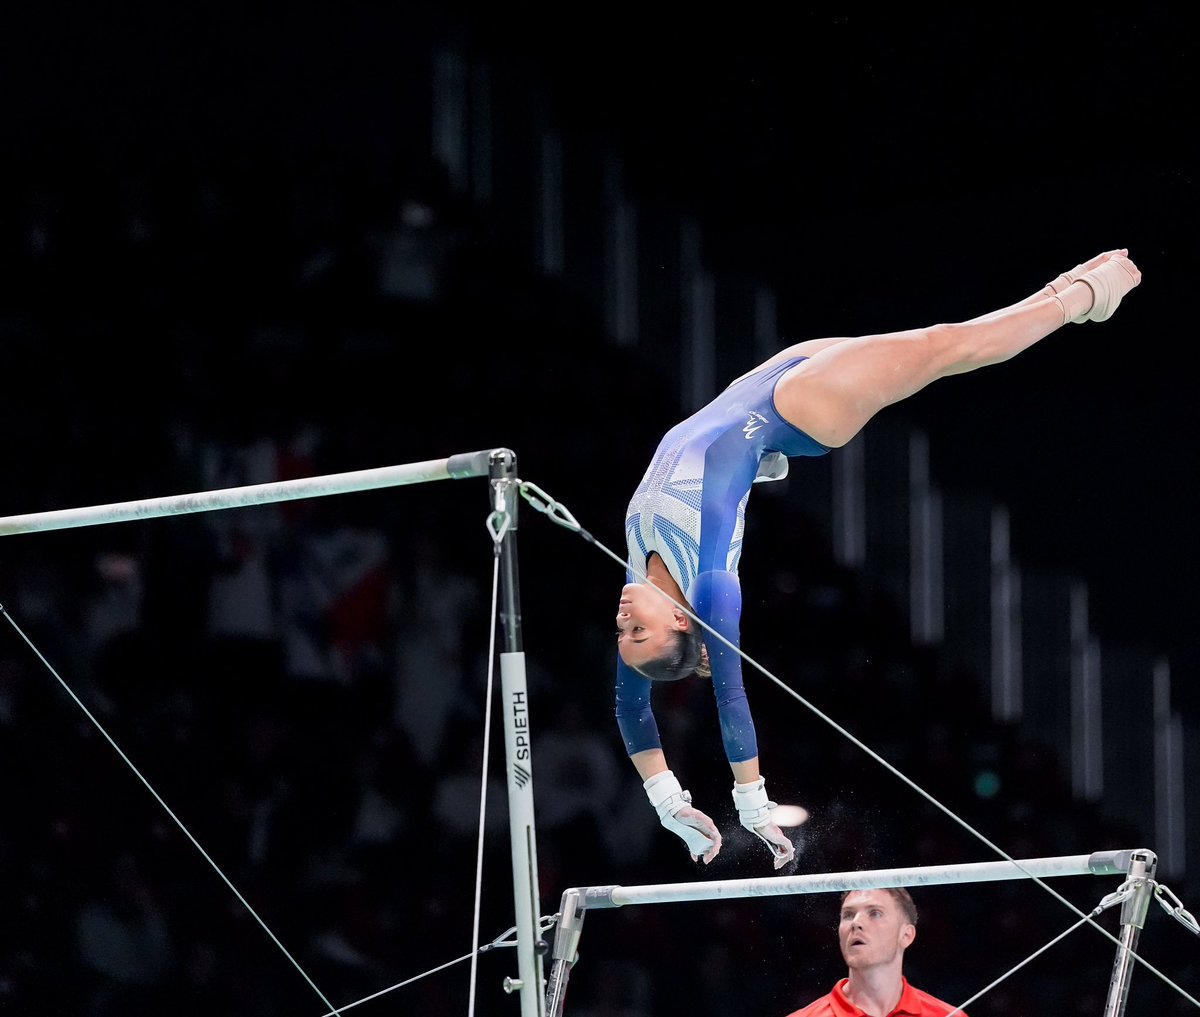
(683, 658)
(901, 897)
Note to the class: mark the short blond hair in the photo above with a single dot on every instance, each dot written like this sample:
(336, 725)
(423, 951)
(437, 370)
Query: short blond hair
(901, 897)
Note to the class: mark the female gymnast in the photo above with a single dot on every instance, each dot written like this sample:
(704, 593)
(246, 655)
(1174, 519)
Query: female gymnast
(685, 521)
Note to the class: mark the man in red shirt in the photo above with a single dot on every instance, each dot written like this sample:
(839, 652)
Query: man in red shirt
(875, 928)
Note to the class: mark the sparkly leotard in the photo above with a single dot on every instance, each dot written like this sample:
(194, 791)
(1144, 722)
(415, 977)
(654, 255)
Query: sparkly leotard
(690, 508)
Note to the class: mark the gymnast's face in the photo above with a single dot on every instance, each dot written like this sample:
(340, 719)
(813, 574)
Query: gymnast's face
(646, 620)
(873, 930)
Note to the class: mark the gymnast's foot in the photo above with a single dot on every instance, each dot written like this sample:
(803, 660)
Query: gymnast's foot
(1056, 286)
(1095, 294)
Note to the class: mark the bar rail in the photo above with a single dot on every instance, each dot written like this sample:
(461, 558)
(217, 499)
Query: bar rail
(455, 467)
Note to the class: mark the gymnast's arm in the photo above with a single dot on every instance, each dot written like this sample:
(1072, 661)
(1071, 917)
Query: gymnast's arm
(673, 804)
(635, 719)
(718, 597)
(718, 603)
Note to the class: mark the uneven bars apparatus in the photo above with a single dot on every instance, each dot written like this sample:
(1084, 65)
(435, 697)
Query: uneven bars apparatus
(499, 465)
(1138, 864)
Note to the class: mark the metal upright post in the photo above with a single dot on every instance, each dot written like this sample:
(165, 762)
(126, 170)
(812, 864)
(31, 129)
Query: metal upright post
(566, 945)
(531, 948)
(1142, 864)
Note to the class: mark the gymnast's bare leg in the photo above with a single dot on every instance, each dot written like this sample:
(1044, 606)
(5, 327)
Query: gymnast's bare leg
(847, 380)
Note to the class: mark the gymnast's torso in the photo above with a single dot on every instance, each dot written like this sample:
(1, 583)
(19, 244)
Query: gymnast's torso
(690, 510)
(690, 506)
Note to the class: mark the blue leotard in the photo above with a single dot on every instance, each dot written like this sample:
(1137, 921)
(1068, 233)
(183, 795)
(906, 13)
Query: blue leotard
(690, 507)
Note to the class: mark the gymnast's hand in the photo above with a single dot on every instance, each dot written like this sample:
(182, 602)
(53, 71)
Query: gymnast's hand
(675, 813)
(700, 833)
(754, 813)
(781, 847)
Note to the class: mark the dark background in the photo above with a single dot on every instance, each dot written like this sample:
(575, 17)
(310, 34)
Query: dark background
(197, 206)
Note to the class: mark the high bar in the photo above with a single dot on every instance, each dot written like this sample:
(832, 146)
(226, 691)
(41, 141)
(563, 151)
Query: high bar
(455, 467)
(1099, 863)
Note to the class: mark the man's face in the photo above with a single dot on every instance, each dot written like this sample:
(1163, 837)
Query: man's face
(873, 931)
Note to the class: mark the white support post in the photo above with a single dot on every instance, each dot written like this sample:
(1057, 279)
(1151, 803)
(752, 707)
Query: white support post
(531, 947)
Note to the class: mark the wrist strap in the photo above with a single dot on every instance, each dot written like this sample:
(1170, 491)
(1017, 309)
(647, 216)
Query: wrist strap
(666, 794)
(752, 803)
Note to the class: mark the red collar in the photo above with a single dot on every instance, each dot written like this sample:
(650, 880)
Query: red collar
(910, 1002)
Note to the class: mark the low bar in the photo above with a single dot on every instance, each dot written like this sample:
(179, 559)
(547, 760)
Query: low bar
(1099, 863)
